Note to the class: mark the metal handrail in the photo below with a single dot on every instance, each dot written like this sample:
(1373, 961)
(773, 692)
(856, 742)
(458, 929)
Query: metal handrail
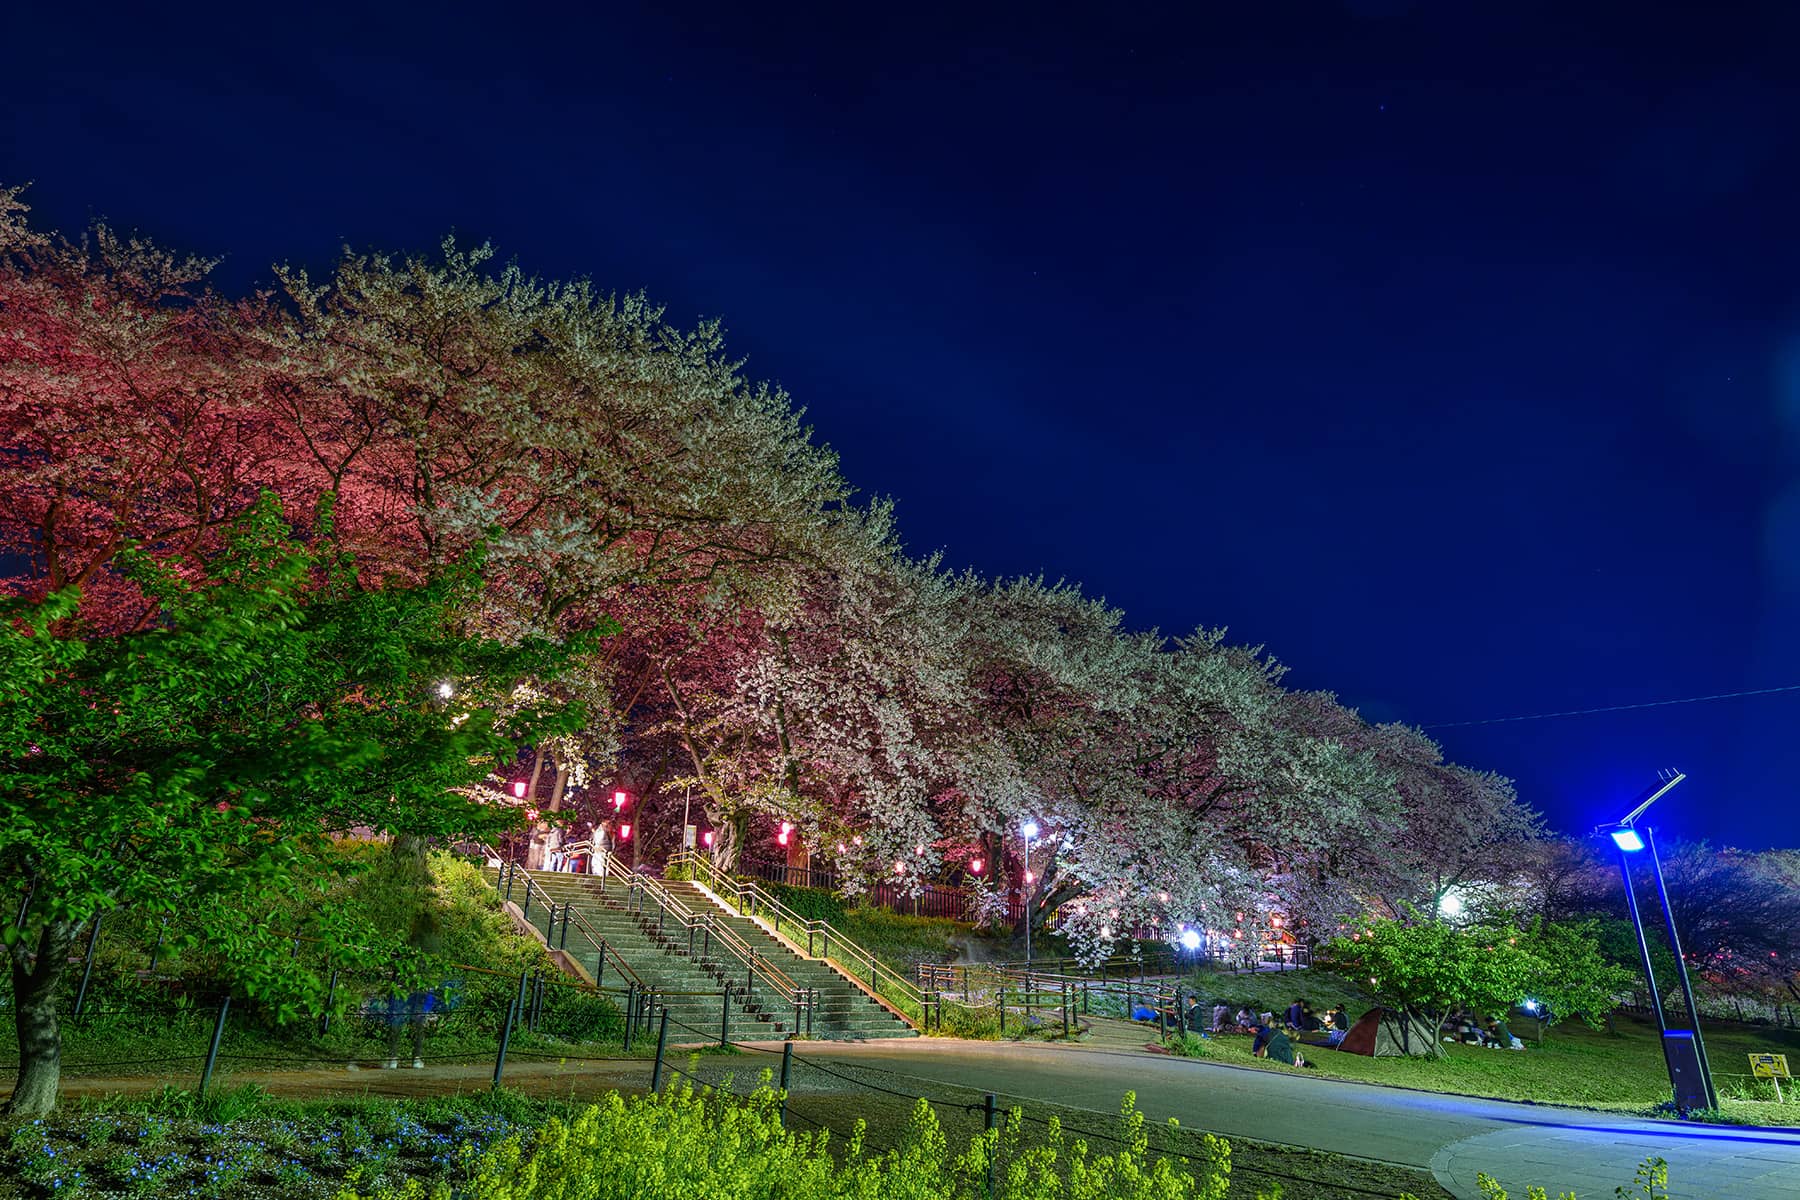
(670, 909)
(598, 944)
(670, 906)
(836, 946)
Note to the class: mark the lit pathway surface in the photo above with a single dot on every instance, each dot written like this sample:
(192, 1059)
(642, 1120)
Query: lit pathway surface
(1565, 1149)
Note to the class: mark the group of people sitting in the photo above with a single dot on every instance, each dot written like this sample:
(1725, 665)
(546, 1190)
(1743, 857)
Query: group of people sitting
(1471, 1030)
(1325, 1029)
(1308, 1026)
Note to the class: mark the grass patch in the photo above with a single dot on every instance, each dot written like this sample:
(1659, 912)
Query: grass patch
(1621, 1071)
(904, 942)
(1273, 991)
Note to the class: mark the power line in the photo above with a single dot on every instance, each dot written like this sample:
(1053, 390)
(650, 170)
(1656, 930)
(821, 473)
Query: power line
(1582, 712)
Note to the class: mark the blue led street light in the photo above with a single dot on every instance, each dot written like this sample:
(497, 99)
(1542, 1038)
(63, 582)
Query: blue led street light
(1628, 840)
(1684, 1053)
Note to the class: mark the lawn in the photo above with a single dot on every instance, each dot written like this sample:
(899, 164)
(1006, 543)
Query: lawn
(1273, 991)
(1620, 1071)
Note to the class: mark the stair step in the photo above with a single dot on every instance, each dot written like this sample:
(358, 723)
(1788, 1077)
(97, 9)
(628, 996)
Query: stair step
(664, 962)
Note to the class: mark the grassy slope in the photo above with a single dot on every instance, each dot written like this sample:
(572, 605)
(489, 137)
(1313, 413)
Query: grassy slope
(1620, 1071)
(134, 1025)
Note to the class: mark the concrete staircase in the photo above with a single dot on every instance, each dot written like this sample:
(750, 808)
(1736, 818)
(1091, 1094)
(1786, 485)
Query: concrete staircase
(689, 985)
(843, 1012)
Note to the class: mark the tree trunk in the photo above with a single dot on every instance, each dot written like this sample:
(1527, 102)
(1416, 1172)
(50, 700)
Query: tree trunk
(40, 1039)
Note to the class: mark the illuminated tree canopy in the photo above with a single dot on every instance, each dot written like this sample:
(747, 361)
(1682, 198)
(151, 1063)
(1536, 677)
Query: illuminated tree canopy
(782, 656)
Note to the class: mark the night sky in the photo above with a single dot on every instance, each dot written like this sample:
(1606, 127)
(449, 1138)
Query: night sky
(1450, 351)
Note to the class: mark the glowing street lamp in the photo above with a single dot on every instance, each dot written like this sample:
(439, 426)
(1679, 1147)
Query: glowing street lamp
(975, 866)
(1684, 1051)
(1190, 938)
(619, 798)
(707, 837)
(1028, 830)
(445, 690)
(518, 789)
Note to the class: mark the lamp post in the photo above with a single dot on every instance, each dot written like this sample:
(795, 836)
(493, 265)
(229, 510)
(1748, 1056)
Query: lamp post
(1030, 830)
(1684, 1051)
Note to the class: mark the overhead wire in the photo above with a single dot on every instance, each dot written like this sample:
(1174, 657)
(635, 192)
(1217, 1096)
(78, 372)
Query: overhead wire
(1584, 712)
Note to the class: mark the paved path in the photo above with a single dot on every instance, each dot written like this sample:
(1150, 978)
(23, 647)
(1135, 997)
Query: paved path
(1519, 1144)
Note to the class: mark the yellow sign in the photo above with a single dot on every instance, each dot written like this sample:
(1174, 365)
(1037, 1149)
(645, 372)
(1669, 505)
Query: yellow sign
(1769, 1066)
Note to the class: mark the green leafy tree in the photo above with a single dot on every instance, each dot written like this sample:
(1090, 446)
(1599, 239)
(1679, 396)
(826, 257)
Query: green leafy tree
(1569, 973)
(210, 758)
(1426, 969)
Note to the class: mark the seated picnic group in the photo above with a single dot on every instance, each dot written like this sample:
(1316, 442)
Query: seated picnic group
(1328, 1029)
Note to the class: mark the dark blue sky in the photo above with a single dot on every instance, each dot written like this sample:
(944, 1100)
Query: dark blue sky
(1451, 351)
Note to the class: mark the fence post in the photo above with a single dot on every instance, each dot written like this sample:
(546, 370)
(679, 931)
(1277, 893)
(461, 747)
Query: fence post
(812, 1002)
(600, 964)
(1065, 991)
(988, 1116)
(1162, 1021)
(662, 1042)
(510, 871)
(87, 968)
(630, 1013)
(212, 1051)
(330, 996)
(526, 911)
(1000, 1003)
(517, 1011)
(787, 1058)
(505, 1038)
(725, 1015)
(562, 943)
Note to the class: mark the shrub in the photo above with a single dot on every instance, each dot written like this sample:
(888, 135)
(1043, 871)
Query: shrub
(685, 1143)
